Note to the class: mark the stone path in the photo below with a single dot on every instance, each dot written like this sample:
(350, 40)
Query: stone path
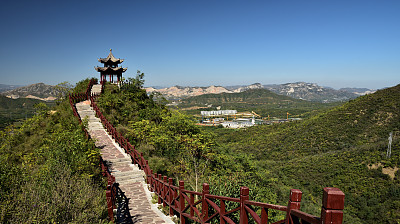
(129, 176)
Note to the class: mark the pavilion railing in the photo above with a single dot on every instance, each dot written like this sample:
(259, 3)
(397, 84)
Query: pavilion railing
(203, 207)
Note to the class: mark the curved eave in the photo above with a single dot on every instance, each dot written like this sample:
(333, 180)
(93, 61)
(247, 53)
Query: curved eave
(108, 60)
(109, 69)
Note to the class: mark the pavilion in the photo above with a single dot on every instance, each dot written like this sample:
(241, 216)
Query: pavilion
(111, 68)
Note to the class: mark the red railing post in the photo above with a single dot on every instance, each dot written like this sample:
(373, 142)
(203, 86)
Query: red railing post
(141, 163)
(155, 184)
(294, 203)
(332, 206)
(244, 196)
(109, 203)
(126, 144)
(222, 213)
(181, 202)
(159, 188)
(170, 196)
(146, 171)
(204, 209)
(165, 188)
(151, 180)
(192, 203)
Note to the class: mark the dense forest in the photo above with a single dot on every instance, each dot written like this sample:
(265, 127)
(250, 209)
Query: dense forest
(338, 147)
(49, 171)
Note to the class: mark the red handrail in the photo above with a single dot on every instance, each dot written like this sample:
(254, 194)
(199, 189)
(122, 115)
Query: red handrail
(187, 208)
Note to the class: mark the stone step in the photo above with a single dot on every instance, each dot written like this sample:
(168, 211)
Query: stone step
(95, 124)
(121, 163)
(133, 180)
(95, 127)
(88, 115)
(128, 177)
(83, 106)
(126, 173)
(120, 160)
(92, 119)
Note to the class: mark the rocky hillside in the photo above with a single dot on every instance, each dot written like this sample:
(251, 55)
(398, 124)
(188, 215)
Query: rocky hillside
(177, 92)
(39, 91)
(298, 90)
(311, 92)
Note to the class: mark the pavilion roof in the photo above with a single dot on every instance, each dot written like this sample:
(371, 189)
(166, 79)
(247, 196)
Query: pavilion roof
(110, 58)
(110, 69)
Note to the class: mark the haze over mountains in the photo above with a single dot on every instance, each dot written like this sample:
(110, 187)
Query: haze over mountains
(38, 91)
(298, 90)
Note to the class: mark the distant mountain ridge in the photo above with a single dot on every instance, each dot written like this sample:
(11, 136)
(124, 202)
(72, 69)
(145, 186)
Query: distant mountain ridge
(311, 92)
(4, 87)
(39, 91)
(298, 90)
(358, 91)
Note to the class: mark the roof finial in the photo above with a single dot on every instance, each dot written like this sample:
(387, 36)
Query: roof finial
(110, 50)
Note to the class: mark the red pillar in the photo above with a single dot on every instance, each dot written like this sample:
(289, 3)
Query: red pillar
(165, 189)
(160, 187)
(244, 196)
(170, 197)
(109, 203)
(332, 206)
(181, 202)
(204, 210)
(294, 203)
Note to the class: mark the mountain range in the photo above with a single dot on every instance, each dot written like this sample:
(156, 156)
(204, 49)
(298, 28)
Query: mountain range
(38, 91)
(298, 90)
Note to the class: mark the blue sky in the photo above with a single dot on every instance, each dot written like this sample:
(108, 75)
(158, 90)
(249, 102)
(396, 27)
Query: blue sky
(207, 42)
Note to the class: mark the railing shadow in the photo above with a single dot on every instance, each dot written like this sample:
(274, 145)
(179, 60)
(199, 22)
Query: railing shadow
(122, 203)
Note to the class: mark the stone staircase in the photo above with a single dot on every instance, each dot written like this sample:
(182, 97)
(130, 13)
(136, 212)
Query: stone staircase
(129, 176)
(96, 89)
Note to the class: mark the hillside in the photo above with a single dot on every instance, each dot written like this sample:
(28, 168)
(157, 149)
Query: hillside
(337, 148)
(311, 92)
(39, 91)
(262, 101)
(178, 92)
(14, 109)
(49, 171)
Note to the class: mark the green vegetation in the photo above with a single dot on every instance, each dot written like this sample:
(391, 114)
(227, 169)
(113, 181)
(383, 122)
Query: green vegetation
(12, 110)
(49, 171)
(170, 140)
(261, 101)
(333, 148)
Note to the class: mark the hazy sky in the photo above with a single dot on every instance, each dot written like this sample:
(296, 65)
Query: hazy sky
(199, 43)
